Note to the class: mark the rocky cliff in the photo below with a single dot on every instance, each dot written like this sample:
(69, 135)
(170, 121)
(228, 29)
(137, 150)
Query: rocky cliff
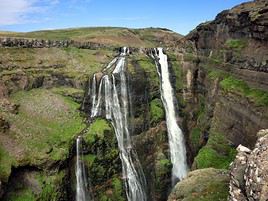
(215, 58)
(218, 71)
(249, 171)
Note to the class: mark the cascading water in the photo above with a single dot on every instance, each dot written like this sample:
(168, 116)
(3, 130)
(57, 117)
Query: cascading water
(82, 184)
(175, 135)
(116, 102)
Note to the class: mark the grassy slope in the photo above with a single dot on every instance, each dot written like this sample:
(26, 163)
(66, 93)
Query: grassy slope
(71, 62)
(44, 128)
(115, 36)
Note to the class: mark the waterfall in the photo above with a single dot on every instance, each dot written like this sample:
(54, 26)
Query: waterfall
(175, 135)
(82, 184)
(94, 83)
(116, 100)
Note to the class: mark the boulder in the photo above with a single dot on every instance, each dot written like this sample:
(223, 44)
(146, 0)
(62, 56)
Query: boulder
(202, 184)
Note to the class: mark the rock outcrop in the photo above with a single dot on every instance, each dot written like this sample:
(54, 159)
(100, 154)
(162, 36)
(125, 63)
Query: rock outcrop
(249, 172)
(240, 33)
(203, 184)
(37, 43)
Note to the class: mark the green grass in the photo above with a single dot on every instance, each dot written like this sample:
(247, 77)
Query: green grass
(236, 44)
(69, 62)
(6, 161)
(217, 74)
(195, 137)
(117, 189)
(148, 66)
(177, 68)
(205, 185)
(217, 153)
(234, 85)
(114, 36)
(45, 125)
(157, 112)
(50, 185)
(97, 130)
(231, 84)
(190, 57)
(23, 195)
(89, 159)
(69, 91)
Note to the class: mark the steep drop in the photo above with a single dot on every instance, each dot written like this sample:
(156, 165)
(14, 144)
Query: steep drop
(175, 135)
(82, 185)
(113, 96)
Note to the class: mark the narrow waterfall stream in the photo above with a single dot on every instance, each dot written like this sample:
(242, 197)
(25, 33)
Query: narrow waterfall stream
(113, 96)
(82, 184)
(175, 135)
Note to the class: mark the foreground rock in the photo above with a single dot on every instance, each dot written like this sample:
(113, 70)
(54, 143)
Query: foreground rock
(203, 184)
(249, 172)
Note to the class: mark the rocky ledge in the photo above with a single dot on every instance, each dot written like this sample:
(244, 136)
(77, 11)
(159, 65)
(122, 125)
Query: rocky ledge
(249, 172)
(38, 43)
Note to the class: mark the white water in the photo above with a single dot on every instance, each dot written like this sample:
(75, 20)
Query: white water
(116, 109)
(82, 193)
(175, 135)
(93, 93)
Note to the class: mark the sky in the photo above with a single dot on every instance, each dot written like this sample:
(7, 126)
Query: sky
(178, 15)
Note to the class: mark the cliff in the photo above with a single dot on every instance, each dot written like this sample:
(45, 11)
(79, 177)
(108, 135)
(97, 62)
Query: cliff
(219, 74)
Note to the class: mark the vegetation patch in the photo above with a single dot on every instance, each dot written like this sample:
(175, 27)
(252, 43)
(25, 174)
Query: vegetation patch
(151, 72)
(195, 137)
(22, 195)
(97, 130)
(102, 160)
(231, 84)
(177, 69)
(236, 44)
(112, 36)
(217, 153)
(157, 112)
(50, 186)
(203, 185)
(45, 125)
(66, 62)
(6, 161)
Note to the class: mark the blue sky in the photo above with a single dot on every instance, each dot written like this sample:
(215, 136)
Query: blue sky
(178, 15)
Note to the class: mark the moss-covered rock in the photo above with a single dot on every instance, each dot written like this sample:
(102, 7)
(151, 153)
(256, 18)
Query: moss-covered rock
(6, 162)
(157, 112)
(217, 153)
(202, 185)
(41, 130)
(53, 187)
(153, 151)
(103, 162)
(31, 185)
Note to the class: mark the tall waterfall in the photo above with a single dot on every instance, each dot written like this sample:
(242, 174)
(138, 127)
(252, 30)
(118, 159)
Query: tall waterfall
(175, 135)
(82, 185)
(113, 93)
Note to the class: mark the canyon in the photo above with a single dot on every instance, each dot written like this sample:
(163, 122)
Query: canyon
(102, 114)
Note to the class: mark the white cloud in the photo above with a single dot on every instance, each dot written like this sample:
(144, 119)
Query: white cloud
(17, 11)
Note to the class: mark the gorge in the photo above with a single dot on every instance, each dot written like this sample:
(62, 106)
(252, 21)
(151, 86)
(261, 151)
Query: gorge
(103, 114)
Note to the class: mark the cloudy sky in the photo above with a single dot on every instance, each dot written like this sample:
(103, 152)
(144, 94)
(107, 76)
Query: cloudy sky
(178, 15)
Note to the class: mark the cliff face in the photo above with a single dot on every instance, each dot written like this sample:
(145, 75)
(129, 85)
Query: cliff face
(238, 36)
(225, 62)
(219, 73)
(224, 71)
